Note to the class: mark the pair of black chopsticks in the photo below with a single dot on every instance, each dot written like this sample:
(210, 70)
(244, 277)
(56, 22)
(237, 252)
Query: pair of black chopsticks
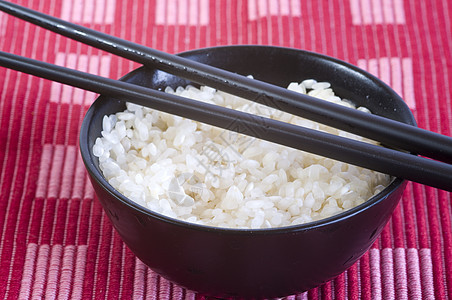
(392, 133)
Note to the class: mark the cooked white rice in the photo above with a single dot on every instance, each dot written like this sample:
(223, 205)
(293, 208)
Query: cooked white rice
(207, 175)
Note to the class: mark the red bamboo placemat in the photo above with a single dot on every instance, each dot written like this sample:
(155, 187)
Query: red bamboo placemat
(55, 240)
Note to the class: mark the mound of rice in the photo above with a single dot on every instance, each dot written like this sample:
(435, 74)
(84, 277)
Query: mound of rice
(207, 175)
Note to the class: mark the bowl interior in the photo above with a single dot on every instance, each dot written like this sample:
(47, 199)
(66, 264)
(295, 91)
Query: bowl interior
(275, 65)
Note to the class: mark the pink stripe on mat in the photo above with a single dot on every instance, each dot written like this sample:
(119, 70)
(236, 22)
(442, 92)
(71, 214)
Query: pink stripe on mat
(262, 9)
(374, 258)
(426, 269)
(68, 172)
(110, 13)
(413, 274)
(356, 12)
(89, 190)
(80, 179)
(54, 272)
(204, 14)
(377, 11)
(177, 292)
(164, 289)
(67, 272)
(190, 295)
(28, 271)
(46, 160)
(400, 274)
(397, 75)
(181, 12)
(40, 275)
(3, 19)
(366, 12)
(79, 272)
(55, 171)
(408, 82)
(388, 11)
(399, 11)
(139, 285)
(89, 9)
(171, 17)
(384, 72)
(387, 273)
(152, 285)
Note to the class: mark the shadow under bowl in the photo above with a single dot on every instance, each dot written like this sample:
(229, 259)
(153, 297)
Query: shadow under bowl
(243, 262)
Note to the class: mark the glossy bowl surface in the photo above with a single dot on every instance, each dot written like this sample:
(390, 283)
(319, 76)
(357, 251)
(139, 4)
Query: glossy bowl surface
(251, 263)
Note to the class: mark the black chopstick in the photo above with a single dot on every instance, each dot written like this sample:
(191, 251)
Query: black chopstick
(392, 162)
(388, 132)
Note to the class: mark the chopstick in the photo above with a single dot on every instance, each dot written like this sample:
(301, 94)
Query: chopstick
(389, 132)
(392, 162)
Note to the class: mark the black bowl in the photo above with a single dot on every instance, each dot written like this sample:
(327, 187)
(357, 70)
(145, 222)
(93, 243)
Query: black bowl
(251, 263)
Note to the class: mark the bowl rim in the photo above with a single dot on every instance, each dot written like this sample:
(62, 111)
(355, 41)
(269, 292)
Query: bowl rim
(96, 174)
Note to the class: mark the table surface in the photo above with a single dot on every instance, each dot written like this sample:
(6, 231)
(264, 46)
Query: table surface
(56, 242)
